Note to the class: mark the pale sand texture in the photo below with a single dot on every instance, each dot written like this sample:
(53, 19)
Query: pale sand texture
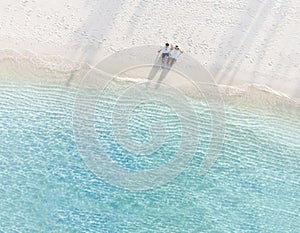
(239, 42)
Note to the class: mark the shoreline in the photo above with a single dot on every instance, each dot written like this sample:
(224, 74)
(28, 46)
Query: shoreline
(51, 70)
(56, 69)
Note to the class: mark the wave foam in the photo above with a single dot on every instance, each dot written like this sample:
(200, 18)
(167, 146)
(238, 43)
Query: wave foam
(29, 66)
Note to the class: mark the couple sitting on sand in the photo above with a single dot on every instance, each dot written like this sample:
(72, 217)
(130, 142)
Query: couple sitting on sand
(169, 54)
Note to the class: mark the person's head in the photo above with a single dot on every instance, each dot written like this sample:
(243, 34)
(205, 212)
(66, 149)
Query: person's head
(176, 47)
(167, 44)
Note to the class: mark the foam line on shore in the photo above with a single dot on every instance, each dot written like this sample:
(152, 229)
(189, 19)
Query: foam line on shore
(15, 66)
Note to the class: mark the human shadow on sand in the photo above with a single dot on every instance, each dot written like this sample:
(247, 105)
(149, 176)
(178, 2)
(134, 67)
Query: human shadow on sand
(156, 68)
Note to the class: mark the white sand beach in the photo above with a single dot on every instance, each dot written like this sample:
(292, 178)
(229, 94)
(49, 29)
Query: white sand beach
(239, 42)
(98, 136)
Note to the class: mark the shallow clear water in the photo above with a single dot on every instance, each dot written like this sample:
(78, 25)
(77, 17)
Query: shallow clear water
(45, 185)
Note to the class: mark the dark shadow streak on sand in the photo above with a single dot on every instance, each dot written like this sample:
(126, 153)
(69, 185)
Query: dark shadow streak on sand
(155, 69)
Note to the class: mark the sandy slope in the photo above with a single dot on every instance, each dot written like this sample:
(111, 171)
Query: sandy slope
(237, 41)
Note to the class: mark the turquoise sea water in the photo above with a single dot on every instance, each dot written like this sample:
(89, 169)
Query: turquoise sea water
(45, 185)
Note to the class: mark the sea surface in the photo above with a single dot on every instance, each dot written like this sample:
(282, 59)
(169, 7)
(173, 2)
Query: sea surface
(46, 186)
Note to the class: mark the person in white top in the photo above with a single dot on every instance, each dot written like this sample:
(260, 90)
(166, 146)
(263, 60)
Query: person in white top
(174, 55)
(165, 53)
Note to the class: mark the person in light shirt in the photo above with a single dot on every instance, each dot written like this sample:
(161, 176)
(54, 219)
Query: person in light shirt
(174, 54)
(165, 53)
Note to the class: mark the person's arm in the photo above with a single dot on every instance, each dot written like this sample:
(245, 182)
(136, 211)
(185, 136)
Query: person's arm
(159, 50)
